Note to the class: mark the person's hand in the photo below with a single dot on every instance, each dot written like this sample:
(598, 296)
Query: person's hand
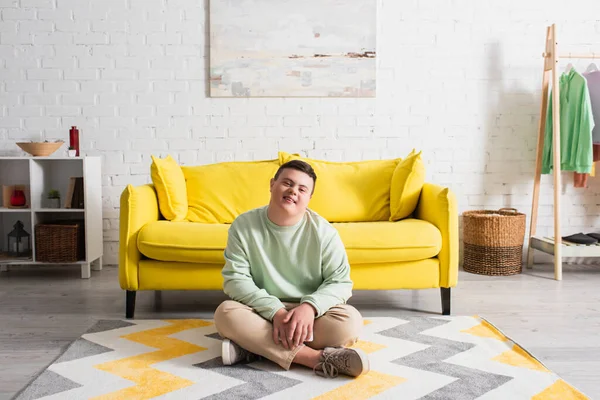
(299, 324)
(279, 327)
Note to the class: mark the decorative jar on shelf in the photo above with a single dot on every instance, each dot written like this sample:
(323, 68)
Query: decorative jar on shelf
(17, 199)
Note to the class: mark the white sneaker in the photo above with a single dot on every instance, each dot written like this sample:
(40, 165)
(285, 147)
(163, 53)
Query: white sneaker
(232, 353)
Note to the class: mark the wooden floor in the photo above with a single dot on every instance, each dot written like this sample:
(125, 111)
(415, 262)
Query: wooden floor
(43, 309)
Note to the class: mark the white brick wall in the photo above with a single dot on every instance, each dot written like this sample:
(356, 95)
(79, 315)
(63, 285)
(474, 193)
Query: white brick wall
(456, 78)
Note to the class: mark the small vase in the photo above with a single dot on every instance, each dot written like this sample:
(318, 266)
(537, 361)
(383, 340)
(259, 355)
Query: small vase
(72, 153)
(74, 139)
(17, 199)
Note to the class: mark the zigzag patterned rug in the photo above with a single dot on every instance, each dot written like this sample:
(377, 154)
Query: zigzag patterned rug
(411, 358)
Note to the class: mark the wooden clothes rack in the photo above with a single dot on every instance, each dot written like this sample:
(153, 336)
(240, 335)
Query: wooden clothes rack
(554, 245)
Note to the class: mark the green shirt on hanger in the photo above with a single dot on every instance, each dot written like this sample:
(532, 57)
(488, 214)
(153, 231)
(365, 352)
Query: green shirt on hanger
(576, 124)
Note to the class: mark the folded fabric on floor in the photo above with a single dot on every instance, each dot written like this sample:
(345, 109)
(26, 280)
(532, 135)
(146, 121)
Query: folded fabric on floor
(580, 238)
(594, 235)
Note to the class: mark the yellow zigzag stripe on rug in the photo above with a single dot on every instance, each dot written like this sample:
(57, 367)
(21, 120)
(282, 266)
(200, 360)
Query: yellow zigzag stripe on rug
(560, 390)
(152, 382)
(486, 330)
(363, 387)
(367, 347)
(517, 357)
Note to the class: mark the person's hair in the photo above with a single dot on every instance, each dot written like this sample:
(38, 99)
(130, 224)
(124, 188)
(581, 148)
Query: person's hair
(299, 166)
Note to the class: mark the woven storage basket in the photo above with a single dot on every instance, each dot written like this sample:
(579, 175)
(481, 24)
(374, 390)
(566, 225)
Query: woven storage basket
(493, 241)
(59, 242)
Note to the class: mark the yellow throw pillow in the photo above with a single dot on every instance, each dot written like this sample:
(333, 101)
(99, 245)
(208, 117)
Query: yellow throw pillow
(407, 182)
(169, 183)
(218, 193)
(356, 191)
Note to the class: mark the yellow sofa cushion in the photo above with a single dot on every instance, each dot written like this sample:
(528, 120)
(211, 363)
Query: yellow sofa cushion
(365, 242)
(218, 193)
(350, 191)
(388, 242)
(183, 241)
(407, 181)
(169, 182)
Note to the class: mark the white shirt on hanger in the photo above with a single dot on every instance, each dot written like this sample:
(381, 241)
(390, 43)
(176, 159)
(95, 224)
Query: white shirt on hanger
(593, 82)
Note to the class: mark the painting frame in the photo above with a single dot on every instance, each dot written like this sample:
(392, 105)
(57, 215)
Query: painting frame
(277, 48)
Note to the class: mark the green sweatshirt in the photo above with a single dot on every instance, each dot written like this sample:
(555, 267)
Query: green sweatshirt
(267, 264)
(576, 125)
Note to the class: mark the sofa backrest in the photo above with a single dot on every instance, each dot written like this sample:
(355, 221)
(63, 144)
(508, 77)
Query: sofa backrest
(360, 191)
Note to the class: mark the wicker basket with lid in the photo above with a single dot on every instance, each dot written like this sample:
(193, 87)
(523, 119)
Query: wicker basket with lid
(493, 241)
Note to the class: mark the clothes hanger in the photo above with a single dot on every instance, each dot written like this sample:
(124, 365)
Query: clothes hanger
(569, 67)
(592, 67)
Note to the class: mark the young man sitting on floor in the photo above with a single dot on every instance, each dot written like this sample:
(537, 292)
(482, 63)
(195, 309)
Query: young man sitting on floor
(287, 273)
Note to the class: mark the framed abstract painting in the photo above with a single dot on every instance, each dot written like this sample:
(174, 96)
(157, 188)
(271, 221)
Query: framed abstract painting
(283, 48)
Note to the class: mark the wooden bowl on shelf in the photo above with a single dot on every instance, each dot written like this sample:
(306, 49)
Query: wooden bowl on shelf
(38, 149)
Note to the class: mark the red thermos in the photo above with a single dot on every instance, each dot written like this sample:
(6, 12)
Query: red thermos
(74, 139)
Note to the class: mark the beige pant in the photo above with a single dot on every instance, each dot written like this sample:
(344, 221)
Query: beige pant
(339, 326)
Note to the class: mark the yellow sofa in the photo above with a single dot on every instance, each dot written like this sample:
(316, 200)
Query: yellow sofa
(399, 231)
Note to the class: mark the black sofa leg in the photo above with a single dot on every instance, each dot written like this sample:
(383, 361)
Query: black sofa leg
(130, 304)
(445, 292)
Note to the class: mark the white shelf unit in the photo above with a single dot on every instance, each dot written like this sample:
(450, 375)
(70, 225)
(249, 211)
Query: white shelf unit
(42, 174)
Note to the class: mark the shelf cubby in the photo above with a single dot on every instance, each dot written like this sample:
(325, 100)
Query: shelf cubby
(13, 173)
(7, 223)
(47, 175)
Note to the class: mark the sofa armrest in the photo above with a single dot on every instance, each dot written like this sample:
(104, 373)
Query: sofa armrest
(139, 205)
(437, 205)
